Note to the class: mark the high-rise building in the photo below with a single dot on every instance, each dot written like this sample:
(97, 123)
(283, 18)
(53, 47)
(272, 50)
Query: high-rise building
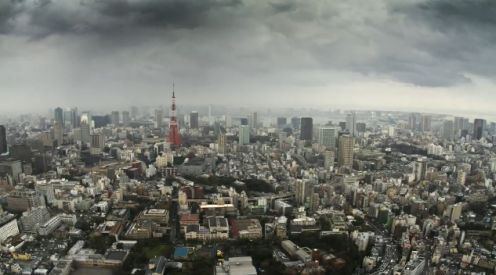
(97, 141)
(351, 123)
(3, 140)
(448, 130)
(115, 118)
(74, 117)
(221, 143)
(329, 159)
(126, 119)
(59, 116)
(412, 121)
(425, 123)
(327, 137)
(303, 190)
(295, 122)
(254, 120)
(58, 133)
(85, 126)
(193, 120)
(159, 118)
(479, 128)
(345, 151)
(281, 122)
(244, 135)
(306, 131)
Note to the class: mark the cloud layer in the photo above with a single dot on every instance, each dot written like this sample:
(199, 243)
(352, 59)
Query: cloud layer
(68, 52)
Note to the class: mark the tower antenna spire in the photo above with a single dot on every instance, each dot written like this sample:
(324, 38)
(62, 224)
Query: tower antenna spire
(173, 89)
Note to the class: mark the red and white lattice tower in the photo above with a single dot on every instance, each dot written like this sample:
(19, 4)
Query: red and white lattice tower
(174, 138)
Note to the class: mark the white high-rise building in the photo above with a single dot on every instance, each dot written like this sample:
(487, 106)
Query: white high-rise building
(244, 135)
(85, 126)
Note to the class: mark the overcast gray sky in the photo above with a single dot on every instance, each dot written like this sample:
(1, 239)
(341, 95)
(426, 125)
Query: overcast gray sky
(436, 55)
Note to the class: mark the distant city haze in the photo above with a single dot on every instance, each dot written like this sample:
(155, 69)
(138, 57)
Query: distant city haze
(414, 55)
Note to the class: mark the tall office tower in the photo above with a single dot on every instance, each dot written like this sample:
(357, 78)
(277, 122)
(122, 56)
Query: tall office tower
(244, 135)
(3, 140)
(159, 118)
(351, 123)
(228, 121)
(420, 169)
(425, 123)
(115, 118)
(329, 159)
(479, 128)
(74, 117)
(254, 120)
(295, 122)
(59, 116)
(58, 133)
(448, 130)
(327, 137)
(174, 138)
(210, 118)
(303, 190)
(306, 130)
(126, 119)
(193, 120)
(412, 121)
(221, 143)
(42, 124)
(459, 125)
(97, 140)
(345, 151)
(281, 122)
(243, 121)
(85, 126)
(134, 112)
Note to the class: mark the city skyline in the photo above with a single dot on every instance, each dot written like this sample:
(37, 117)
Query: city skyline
(414, 55)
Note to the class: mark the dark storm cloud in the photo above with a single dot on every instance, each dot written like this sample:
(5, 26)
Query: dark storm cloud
(227, 45)
(46, 17)
(8, 10)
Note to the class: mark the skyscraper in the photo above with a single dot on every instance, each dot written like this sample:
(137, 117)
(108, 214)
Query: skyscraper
(345, 151)
(115, 117)
(327, 137)
(193, 120)
(448, 130)
(254, 120)
(306, 131)
(425, 123)
(58, 133)
(351, 123)
(85, 126)
(295, 122)
(3, 140)
(174, 138)
(74, 118)
(244, 135)
(126, 119)
(59, 116)
(159, 118)
(479, 128)
(221, 143)
(281, 122)
(412, 121)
